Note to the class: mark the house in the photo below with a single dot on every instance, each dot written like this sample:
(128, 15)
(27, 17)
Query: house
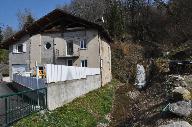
(63, 39)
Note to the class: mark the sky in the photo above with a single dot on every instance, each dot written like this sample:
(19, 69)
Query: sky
(39, 8)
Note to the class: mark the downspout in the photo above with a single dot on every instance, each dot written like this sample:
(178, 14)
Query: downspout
(40, 48)
(30, 52)
(100, 59)
(53, 51)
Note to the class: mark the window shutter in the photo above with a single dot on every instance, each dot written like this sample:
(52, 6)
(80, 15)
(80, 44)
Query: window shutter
(85, 63)
(24, 48)
(14, 49)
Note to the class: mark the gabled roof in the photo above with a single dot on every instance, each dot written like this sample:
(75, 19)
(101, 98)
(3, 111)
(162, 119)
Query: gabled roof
(52, 19)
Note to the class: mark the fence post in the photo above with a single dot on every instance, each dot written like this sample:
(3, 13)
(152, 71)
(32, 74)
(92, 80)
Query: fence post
(37, 76)
(6, 112)
(45, 97)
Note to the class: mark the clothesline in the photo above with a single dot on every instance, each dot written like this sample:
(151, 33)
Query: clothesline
(57, 73)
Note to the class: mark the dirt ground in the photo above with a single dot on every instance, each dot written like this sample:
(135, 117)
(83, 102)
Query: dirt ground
(143, 111)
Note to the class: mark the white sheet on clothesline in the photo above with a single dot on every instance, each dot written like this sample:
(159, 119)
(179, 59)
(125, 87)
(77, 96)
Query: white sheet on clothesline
(57, 73)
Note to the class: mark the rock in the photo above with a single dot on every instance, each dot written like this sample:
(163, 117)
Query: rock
(162, 65)
(176, 84)
(133, 94)
(177, 124)
(176, 77)
(180, 83)
(42, 112)
(181, 108)
(102, 125)
(179, 78)
(140, 81)
(183, 84)
(181, 93)
(108, 117)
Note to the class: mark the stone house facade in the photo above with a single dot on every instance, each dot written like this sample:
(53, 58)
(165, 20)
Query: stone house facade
(63, 39)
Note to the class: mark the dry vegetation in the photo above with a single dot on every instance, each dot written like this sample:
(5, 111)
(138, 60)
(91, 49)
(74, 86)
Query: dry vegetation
(124, 59)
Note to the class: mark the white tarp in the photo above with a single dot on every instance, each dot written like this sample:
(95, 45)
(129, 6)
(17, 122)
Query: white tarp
(57, 73)
(19, 68)
(140, 76)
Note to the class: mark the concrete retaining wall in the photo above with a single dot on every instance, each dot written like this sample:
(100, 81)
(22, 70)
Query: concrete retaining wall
(61, 93)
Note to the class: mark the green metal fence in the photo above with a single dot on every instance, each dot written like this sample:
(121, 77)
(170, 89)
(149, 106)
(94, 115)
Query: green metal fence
(16, 106)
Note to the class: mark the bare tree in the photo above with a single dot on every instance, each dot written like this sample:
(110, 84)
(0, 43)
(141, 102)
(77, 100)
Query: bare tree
(115, 21)
(88, 9)
(25, 18)
(7, 32)
(1, 35)
(180, 20)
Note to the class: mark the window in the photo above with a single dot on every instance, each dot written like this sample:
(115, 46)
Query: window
(83, 63)
(47, 45)
(70, 48)
(101, 63)
(83, 44)
(19, 48)
(69, 62)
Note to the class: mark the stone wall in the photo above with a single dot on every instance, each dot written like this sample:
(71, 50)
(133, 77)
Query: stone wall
(105, 54)
(35, 50)
(61, 93)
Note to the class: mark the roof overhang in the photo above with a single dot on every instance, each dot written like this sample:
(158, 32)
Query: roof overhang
(52, 19)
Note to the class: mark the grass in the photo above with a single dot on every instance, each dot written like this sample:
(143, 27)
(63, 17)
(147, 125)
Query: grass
(86, 111)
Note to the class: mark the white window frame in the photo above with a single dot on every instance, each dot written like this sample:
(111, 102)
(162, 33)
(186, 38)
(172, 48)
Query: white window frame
(16, 48)
(84, 61)
(84, 44)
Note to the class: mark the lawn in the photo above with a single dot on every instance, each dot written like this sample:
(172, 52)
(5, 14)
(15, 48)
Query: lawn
(86, 111)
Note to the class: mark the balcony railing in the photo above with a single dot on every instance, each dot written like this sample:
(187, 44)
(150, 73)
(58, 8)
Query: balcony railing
(66, 55)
